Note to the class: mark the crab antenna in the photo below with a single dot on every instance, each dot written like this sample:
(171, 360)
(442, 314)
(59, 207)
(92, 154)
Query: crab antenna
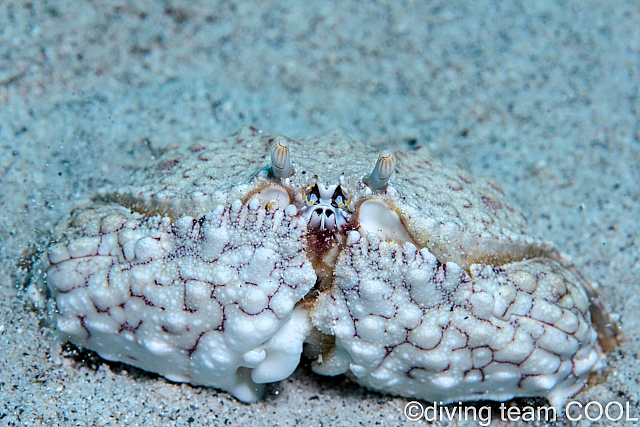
(382, 171)
(280, 160)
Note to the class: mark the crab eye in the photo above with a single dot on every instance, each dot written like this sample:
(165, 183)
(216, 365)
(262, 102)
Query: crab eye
(338, 203)
(382, 171)
(313, 199)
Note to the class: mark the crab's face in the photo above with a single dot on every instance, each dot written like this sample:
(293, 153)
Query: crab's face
(328, 206)
(332, 206)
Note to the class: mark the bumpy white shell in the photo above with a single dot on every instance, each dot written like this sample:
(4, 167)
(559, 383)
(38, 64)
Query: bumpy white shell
(435, 289)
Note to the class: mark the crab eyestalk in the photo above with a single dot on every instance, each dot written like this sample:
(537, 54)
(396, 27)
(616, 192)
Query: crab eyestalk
(382, 171)
(280, 159)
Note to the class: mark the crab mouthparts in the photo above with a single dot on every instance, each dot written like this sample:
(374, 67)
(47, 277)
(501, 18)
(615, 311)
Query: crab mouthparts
(324, 207)
(323, 218)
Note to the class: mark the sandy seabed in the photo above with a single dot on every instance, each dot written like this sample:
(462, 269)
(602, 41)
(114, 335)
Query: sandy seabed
(542, 96)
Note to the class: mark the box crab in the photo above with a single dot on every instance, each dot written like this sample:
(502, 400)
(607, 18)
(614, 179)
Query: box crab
(221, 263)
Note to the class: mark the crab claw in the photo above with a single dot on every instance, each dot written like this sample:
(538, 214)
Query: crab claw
(382, 171)
(280, 160)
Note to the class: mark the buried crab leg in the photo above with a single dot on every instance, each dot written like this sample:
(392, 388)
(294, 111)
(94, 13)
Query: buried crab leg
(280, 160)
(382, 171)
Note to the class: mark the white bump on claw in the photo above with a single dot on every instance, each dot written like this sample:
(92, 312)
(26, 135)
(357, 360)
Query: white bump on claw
(254, 204)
